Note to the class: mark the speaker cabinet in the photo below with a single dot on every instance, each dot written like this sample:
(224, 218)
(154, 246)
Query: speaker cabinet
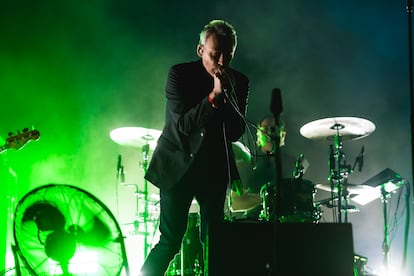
(244, 248)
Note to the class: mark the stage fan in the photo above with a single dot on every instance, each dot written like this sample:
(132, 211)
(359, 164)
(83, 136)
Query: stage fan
(64, 230)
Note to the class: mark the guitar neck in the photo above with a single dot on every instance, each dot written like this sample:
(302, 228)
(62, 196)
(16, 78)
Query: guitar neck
(18, 141)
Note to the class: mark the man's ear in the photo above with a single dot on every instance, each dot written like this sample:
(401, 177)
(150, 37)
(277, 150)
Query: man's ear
(200, 49)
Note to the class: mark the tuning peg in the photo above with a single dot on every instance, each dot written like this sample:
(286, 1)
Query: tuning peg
(10, 134)
(25, 129)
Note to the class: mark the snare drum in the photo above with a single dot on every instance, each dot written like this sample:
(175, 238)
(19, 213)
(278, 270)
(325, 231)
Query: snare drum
(296, 201)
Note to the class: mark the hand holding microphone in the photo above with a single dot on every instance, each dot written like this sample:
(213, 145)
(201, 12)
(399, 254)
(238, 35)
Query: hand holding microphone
(218, 95)
(222, 76)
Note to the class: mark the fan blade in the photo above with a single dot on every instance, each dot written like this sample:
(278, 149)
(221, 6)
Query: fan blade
(46, 216)
(98, 235)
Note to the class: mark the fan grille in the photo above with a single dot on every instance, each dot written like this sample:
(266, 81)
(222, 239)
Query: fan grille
(89, 243)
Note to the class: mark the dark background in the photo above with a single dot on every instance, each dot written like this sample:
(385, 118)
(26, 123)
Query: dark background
(75, 70)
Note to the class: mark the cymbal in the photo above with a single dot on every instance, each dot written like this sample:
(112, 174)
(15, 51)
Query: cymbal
(350, 188)
(135, 136)
(349, 208)
(241, 152)
(348, 128)
(332, 202)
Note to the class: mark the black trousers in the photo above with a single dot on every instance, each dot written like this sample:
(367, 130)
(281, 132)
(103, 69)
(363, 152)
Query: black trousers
(209, 189)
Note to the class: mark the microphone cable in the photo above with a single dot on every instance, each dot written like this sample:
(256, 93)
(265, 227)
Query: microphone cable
(232, 98)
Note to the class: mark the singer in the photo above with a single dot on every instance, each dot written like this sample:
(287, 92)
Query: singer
(206, 104)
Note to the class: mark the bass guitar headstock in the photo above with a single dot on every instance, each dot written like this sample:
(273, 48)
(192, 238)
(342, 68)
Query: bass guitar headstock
(19, 140)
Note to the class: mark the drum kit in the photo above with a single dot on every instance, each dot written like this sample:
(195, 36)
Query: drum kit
(297, 198)
(337, 130)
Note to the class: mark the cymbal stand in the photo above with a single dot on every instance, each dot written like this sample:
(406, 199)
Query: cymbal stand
(385, 246)
(144, 166)
(345, 195)
(339, 172)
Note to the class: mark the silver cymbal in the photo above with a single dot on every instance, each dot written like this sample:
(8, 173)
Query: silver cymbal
(349, 208)
(351, 188)
(333, 203)
(135, 136)
(348, 128)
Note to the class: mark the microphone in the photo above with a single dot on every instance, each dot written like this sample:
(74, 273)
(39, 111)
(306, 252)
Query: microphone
(122, 175)
(299, 161)
(361, 159)
(120, 170)
(276, 102)
(224, 79)
(119, 164)
(220, 73)
(409, 6)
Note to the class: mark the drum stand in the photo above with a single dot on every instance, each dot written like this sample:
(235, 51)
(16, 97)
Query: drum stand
(144, 166)
(138, 194)
(339, 172)
(385, 245)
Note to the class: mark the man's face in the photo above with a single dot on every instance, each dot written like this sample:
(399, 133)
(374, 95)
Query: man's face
(266, 131)
(215, 53)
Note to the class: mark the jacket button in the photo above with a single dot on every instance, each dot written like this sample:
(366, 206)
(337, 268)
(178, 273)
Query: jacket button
(191, 155)
(202, 134)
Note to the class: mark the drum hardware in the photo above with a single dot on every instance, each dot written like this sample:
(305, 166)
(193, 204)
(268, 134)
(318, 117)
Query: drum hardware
(276, 107)
(360, 263)
(145, 139)
(265, 192)
(332, 203)
(382, 186)
(348, 208)
(296, 202)
(349, 192)
(339, 172)
(299, 167)
(353, 189)
(338, 129)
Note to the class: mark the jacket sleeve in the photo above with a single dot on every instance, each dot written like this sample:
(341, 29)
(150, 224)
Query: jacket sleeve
(182, 115)
(189, 111)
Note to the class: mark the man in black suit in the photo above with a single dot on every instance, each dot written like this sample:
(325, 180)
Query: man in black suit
(206, 104)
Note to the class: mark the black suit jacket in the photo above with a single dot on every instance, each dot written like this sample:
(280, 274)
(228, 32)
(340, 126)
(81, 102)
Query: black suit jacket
(192, 125)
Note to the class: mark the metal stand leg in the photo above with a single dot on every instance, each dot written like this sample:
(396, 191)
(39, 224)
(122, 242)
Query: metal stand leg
(145, 158)
(16, 260)
(385, 246)
(138, 194)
